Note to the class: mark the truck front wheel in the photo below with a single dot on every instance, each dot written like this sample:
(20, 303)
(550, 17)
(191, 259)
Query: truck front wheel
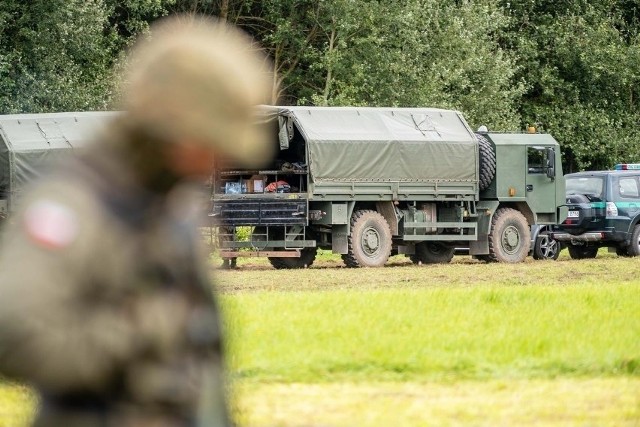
(510, 236)
(369, 241)
(432, 253)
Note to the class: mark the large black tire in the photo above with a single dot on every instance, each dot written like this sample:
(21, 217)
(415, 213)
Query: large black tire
(432, 253)
(634, 246)
(307, 257)
(546, 248)
(582, 252)
(622, 252)
(487, 159)
(369, 240)
(510, 236)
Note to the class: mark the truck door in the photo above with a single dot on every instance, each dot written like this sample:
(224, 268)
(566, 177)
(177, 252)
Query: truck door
(540, 188)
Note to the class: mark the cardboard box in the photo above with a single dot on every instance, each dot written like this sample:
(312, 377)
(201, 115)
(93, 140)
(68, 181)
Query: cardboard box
(256, 184)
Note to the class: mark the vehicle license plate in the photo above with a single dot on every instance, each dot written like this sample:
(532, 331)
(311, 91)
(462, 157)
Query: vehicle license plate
(574, 214)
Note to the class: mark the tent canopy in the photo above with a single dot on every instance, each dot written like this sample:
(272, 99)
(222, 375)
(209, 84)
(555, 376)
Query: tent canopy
(386, 144)
(28, 142)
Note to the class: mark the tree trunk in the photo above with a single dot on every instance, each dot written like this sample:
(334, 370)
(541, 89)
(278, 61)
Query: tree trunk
(327, 83)
(224, 10)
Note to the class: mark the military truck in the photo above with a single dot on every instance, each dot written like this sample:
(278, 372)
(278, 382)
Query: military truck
(28, 142)
(368, 183)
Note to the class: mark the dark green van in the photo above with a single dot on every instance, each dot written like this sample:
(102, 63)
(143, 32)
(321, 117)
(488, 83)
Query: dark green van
(603, 211)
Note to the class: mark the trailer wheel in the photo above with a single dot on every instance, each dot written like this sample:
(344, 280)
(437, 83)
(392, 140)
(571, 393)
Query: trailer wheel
(510, 236)
(369, 241)
(582, 252)
(307, 257)
(545, 247)
(487, 160)
(432, 253)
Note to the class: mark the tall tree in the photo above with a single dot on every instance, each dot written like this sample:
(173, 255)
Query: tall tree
(581, 61)
(58, 55)
(419, 53)
(54, 55)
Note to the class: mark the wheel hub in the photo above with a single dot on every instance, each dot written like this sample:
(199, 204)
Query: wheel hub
(548, 247)
(511, 239)
(370, 241)
(435, 249)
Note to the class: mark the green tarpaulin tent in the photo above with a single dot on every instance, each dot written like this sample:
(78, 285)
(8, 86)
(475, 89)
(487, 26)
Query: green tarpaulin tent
(29, 142)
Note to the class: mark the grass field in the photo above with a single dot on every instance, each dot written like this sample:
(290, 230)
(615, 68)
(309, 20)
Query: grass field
(533, 344)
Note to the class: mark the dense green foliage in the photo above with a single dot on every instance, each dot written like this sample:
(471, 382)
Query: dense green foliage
(571, 67)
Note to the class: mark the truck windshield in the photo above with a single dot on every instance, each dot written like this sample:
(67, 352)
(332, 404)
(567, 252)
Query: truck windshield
(588, 185)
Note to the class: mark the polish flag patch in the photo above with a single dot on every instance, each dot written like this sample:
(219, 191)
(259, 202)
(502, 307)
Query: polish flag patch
(51, 224)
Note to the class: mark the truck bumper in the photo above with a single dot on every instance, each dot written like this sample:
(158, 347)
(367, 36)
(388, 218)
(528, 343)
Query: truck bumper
(585, 237)
(592, 236)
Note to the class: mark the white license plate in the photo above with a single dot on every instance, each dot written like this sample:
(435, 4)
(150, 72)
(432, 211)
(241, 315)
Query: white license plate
(574, 214)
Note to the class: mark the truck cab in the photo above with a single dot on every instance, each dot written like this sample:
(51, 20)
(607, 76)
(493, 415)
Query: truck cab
(603, 211)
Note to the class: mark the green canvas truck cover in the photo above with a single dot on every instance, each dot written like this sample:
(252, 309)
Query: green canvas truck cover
(386, 144)
(29, 141)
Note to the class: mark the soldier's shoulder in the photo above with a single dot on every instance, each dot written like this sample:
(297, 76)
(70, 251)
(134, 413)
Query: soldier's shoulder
(56, 214)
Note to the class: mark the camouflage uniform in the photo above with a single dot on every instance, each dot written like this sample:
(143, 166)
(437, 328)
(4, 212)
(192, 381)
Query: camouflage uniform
(112, 320)
(105, 300)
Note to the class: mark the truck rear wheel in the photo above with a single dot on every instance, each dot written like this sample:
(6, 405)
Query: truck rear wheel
(582, 252)
(510, 236)
(369, 241)
(487, 160)
(307, 256)
(432, 253)
(545, 247)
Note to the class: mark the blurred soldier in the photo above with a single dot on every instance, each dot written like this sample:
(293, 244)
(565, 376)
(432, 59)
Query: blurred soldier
(106, 306)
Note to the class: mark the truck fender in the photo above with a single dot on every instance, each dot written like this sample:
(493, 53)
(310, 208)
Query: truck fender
(340, 233)
(485, 209)
(388, 211)
(633, 224)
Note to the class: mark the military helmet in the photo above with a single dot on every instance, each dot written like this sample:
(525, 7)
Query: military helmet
(199, 78)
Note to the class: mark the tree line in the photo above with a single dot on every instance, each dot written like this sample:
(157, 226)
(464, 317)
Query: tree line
(569, 67)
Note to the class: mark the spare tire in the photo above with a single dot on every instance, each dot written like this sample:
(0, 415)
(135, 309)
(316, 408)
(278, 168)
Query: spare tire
(487, 160)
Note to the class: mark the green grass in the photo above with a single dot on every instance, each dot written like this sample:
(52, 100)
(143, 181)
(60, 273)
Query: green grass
(532, 344)
(468, 343)
(328, 273)
(436, 333)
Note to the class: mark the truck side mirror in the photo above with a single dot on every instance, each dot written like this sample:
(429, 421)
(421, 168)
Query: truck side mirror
(551, 163)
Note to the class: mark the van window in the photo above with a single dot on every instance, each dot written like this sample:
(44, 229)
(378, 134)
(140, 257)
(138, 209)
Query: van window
(628, 187)
(591, 185)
